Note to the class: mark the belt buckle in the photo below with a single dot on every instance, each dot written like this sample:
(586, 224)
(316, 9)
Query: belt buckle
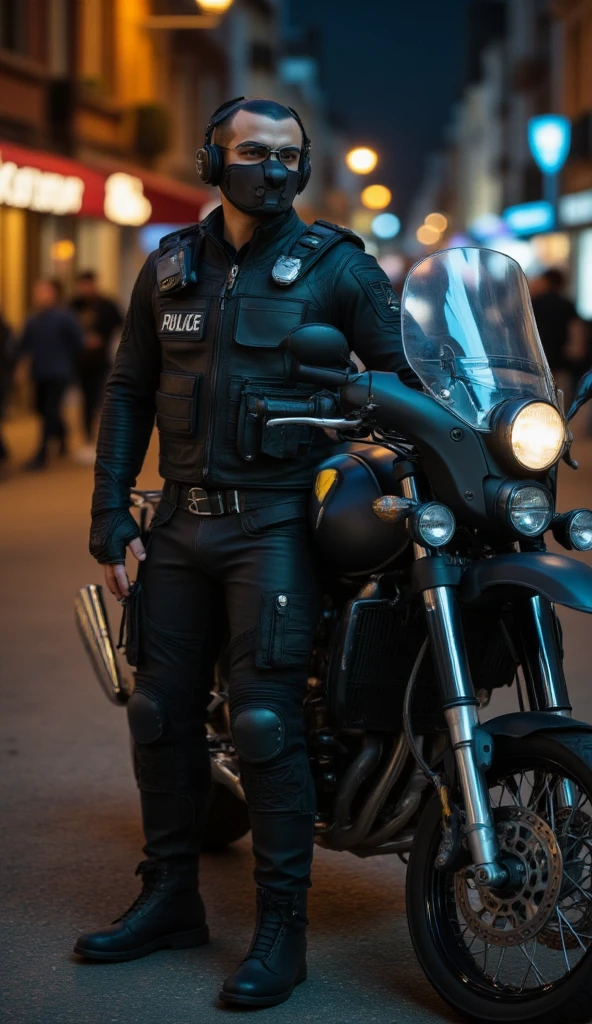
(236, 504)
(195, 497)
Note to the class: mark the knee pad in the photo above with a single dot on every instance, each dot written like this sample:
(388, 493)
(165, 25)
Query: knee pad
(146, 718)
(258, 734)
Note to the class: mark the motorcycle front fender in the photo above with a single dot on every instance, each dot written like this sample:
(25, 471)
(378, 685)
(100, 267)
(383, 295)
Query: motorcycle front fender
(523, 723)
(560, 579)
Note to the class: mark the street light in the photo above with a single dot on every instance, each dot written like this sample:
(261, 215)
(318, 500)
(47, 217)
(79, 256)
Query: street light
(361, 160)
(210, 12)
(549, 137)
(376, 197)
(214, 6)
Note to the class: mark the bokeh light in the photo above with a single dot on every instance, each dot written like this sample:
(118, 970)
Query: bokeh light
(386, 225)
(427, 234)
(393, 265)
(376, 197)
(361, 221)
(214, 6)
(437, 221)
(361, 160)
(63, 250)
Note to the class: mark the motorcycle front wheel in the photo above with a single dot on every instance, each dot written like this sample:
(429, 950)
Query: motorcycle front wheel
(523, 954)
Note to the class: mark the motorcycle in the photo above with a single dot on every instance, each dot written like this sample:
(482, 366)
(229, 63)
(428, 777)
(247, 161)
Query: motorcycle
(438, 589)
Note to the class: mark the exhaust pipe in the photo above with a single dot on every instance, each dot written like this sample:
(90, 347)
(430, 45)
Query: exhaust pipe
(344, 837)
(225, 771)
(93, 626)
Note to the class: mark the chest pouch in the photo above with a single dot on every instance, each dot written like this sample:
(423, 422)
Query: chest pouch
(294, 440)
(174, 269)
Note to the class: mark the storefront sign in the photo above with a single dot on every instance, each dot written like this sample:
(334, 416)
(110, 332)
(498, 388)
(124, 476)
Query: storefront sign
(54, 184)
(575, 209)
(42, 191)
(529, 218)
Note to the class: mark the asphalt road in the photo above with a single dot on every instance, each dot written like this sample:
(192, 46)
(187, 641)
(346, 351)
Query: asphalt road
(69, 827)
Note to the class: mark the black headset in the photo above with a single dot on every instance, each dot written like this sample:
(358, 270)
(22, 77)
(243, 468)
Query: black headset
(209, 160)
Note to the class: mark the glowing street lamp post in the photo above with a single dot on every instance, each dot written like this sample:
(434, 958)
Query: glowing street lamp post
(549, 137)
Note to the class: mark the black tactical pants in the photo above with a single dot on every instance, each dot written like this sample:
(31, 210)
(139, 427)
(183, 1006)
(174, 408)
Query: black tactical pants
(258, 565)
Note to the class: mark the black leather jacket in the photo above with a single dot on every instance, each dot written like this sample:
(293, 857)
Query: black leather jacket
(192, 358)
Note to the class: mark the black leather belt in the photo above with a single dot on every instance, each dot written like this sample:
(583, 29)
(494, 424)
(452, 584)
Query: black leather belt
(200, 502)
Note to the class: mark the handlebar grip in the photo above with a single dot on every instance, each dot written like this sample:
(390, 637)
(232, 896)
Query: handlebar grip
(320, 375)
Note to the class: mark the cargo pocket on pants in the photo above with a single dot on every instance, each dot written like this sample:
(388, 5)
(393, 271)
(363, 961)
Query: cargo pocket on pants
(286, 630)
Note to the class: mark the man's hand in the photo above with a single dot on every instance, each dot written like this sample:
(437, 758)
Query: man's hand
(110, 534)
(116, 576)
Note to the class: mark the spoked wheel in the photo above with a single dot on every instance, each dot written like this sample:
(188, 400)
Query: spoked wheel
(524, 953)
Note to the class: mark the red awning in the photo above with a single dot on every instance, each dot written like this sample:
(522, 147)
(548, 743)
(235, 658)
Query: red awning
(36, 180)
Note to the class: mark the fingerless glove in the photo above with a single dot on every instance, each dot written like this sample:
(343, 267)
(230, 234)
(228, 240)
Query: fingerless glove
(110, 533)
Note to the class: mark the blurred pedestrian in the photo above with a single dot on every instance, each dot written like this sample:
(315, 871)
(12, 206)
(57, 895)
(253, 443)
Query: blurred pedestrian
(52, 341)
(7, 360)
(99, 318)
(562, 332)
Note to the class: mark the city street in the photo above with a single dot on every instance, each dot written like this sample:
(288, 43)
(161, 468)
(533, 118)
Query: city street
(69, 826)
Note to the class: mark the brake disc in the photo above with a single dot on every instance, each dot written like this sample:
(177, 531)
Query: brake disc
(573, 902)
(512, 917)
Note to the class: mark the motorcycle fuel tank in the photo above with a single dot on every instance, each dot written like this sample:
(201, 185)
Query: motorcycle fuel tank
(348, 533)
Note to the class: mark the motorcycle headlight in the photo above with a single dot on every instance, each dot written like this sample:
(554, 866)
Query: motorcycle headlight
(433, 525)
(532, 432)
(574, 529)
(527, 508)
(580, 530)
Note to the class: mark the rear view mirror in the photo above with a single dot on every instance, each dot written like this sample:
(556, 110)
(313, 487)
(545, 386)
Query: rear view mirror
(582, 394)
(318, 345)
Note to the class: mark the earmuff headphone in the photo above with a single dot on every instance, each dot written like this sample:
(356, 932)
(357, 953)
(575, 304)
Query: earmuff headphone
(209, 160)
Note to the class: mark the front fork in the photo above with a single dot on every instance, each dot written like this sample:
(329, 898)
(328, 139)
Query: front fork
(546, 688)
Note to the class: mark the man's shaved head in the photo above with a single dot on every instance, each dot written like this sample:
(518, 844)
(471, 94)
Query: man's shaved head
(264, 108)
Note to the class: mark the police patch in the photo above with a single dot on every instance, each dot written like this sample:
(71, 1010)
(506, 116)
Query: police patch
(181, 322)
(385, 293)
(379, 290)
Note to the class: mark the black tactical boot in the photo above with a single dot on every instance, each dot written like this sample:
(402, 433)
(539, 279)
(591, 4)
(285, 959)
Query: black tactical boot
(276, 959)
(168, 914)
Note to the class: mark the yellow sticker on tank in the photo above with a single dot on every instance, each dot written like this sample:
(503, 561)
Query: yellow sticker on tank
(324, 482)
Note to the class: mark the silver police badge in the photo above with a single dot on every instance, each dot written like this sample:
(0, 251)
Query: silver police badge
(286, 269)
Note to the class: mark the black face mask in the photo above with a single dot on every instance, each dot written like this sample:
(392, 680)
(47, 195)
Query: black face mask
(266, 189)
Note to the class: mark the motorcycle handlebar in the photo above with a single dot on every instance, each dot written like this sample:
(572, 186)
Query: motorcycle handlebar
(320, 375)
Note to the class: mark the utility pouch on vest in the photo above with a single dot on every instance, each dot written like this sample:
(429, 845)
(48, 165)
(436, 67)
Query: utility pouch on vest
(174, 269)
(177, 403)
(291, 441)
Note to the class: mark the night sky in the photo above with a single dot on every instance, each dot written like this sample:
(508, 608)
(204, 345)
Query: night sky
(391, 70)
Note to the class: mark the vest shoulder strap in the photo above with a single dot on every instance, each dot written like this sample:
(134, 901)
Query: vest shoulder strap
(308, 249)
(175, 238)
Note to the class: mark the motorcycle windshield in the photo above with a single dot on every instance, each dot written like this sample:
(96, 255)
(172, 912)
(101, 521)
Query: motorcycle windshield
(470, 335)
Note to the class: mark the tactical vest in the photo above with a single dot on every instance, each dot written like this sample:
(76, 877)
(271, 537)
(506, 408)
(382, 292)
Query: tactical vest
(222, 373)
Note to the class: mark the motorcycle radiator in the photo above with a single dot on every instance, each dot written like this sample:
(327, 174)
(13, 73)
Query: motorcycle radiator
(376, 646)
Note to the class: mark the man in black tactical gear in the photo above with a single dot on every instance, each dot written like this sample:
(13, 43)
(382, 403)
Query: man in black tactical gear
(200, 348)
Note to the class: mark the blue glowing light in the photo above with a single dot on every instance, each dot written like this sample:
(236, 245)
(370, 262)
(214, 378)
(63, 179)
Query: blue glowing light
(386, 225)
(530, 218)
(549, 137)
